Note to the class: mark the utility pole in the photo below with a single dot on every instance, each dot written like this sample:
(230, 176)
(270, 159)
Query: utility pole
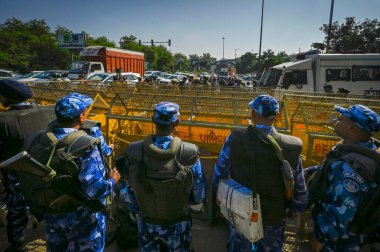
(235, 52)
(261, 34)
(329, 30)
(223, 47)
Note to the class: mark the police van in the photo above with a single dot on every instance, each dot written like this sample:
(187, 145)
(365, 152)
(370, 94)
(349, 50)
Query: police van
(357, 73)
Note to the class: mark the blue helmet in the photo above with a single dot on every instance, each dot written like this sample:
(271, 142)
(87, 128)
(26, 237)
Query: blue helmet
(265, 105)
(166, 112)
(362, 116)
(72, 105)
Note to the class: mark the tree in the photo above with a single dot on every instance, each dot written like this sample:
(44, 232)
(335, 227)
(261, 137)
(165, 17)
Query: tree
(128, 42)
(164, 58)
(30, 46)
(353, 36)
(181, 62)
(246, 63)
(99, 41)
(205, 61)
(281, 57)
(194, 61)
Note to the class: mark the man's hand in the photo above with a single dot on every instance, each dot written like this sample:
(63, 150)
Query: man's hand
(115, 175)
(112, 146)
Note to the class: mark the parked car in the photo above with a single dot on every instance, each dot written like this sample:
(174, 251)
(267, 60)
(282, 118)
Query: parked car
(47, 76)
(149, 73)
(6, 74)
(162, 77)
(29, 75)
(171, 77)
(98, 77)
(130, 78)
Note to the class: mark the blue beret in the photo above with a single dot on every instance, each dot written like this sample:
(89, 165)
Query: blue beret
(265, 105)
(166, 112)
(72, 105)
(362, 116)
(14, 90)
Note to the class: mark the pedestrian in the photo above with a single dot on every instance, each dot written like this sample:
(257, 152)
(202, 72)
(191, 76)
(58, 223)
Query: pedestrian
(164, 177)
(251, 148)
(21, 119)
(343, 184)
(80, 229)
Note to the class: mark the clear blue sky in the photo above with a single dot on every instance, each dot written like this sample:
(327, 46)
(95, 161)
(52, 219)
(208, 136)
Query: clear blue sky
(197, 26)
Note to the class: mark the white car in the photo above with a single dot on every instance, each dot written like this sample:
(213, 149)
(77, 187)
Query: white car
(130, 78)
(29, 75)
(171, 77)
(164, 77)
(149, 73)
(47, 76)
(6, 74)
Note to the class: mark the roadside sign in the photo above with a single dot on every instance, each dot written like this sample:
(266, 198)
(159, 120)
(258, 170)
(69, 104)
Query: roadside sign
(72, 41)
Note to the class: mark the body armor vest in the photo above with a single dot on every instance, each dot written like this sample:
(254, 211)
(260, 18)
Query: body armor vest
(162, 179)
(365, 162)
(256, 166)
(59, 191)
(17, 125)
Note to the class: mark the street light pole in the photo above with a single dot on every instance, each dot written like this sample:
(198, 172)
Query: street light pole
(261, 34)
(235, 52)
(223, 47)
(329, 30)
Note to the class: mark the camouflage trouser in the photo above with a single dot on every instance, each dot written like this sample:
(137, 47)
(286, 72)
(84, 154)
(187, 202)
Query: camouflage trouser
(272, 241)
(17, 217)
(75, 233)
(176, 237)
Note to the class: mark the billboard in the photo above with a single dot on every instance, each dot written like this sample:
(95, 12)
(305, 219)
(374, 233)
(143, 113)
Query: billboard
(72, 41)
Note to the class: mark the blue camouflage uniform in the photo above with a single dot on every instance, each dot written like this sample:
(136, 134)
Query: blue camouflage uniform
(174, 237)
(346, 189)
(17, 217)
(273, 235)
(82, 229)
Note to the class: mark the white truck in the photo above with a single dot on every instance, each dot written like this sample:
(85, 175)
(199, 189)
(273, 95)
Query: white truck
(357, 73)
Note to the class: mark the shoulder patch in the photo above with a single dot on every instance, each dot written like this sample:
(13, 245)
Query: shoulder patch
(353, 176)
(351, 185)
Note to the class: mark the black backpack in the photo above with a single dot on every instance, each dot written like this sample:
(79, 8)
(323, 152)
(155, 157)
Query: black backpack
(367, 163)
(59, 190)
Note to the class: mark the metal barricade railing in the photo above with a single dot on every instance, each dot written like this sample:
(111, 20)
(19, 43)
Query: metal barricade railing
(292, 101)
(279, 93)
(311, 122)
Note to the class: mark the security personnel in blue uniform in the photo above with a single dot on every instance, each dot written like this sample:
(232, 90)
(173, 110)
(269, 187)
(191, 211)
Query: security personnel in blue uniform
(81, 229)
(235, 161)
(164, 174)
(93, 127)
(345, 184)
(21, 119)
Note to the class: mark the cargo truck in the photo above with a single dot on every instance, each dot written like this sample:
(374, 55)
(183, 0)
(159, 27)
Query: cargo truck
(101, 59)
(357, 73)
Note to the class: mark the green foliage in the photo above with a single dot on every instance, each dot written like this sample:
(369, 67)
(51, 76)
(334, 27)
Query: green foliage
(30, 46)
(201, 63)
(246, 63)
(164, 59)
(352, 36)
(181, 62)
(99, 41)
